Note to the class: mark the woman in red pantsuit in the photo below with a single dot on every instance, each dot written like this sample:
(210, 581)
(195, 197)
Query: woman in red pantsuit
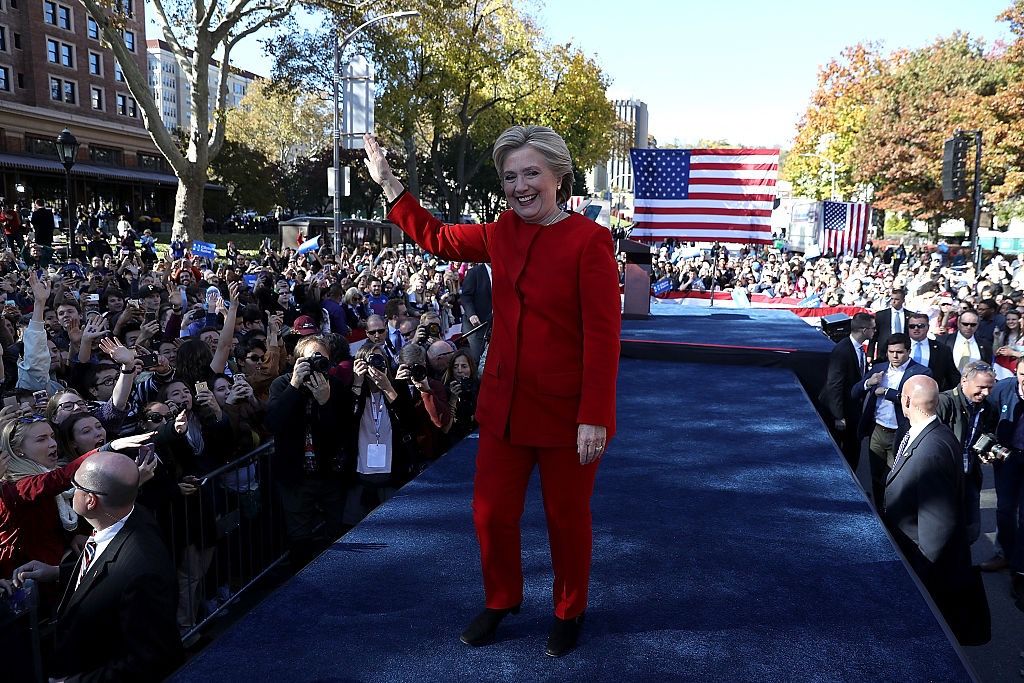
(547, 394)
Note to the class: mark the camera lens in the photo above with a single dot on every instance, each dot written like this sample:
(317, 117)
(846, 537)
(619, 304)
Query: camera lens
(418, 371)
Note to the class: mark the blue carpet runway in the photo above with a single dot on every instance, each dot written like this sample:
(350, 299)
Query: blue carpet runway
(731, 544)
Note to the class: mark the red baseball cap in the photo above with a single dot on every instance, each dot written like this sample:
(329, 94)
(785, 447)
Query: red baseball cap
(304, 325)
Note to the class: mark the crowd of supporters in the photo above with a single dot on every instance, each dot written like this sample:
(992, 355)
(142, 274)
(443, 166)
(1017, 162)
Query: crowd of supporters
(350, 363)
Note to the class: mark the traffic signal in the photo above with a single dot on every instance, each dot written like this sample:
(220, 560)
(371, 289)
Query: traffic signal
(954, 168)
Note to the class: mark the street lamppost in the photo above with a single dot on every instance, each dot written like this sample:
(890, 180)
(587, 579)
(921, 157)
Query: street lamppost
(339, 47)
(832, 166)
(67, 150)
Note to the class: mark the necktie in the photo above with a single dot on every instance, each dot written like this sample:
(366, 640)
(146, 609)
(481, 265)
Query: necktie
(88, 553)
(897, 327)
(396, 339)
(860, 360)
(902, 448)
(917, 351)
(965, 355)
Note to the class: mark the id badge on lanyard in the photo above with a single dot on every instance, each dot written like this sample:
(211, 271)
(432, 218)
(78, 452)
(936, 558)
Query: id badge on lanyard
(377, 453)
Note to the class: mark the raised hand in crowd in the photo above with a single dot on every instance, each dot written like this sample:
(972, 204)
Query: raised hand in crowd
(118, 352)
(206, 399)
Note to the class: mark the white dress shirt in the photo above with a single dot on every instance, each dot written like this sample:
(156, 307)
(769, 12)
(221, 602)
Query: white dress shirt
(965, 348)
(914, 432)
(102, 539)
(926, 351)
(897, 322)
(859, 350)
(885, 410)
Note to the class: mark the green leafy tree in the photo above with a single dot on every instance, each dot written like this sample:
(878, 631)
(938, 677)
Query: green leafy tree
(196, 31)
(281, 123)
(248, 176)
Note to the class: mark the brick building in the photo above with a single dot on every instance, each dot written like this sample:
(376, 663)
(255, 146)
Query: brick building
(55, 73)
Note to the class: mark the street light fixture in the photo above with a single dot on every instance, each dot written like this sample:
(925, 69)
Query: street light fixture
(339, 47)
(67, 152)
(832, 166)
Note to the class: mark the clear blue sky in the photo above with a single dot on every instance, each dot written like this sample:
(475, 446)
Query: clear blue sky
(739, 70)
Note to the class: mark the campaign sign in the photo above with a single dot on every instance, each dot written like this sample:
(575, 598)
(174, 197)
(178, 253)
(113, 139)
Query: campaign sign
(251, 280)
(662, 286)
(309, 245)
(204, 249)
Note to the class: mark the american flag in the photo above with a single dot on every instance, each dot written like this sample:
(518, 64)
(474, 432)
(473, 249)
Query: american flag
(704, 195)
(844, 227)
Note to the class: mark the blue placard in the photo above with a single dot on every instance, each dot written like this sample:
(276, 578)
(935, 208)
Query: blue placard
(309, 245)
(662, 286)
(204, 249)
(251, 280)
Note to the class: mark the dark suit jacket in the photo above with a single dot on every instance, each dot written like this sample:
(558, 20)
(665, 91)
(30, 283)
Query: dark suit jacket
(870, 400)
(949, 340)
(843, 373)
(120, 623)
(940, 362)
(925, 513)
(476, 295)
(883, 330)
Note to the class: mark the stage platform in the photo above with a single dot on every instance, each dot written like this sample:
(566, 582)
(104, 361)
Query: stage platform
(758, 337)
(731, 544)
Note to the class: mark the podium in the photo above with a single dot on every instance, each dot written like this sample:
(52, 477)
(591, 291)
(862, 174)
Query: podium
(636, 301)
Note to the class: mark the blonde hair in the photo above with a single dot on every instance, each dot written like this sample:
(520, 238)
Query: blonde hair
(546, 141)
(11, 439)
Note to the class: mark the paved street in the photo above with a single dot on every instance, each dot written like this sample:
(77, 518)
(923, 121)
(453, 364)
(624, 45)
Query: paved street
(1000, 660)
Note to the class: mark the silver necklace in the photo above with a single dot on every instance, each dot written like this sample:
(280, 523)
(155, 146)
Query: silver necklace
(554, 219)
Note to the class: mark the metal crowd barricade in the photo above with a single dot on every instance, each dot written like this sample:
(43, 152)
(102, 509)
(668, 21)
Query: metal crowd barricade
(233, 535)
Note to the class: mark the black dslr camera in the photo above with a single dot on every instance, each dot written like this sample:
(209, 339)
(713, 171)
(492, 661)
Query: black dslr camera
(318, 362)
(989, 450)
(418, 371)
(378, 361)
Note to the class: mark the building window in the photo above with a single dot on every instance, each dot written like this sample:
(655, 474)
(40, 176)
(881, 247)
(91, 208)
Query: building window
(126, 106)
(125, 7)
(62, 90)
(151, 162)
(60, 53)
(96, 97)
(64, 17)
(21, 80)
(5, 79)
(17, 41)
(105, 156)
(95, 63)
(92, 28)
(44, 147)
(118, 74)
(50, 12)
(129, 40)
(3, 39)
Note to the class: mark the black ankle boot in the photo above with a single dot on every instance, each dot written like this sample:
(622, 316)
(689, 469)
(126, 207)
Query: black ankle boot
(563, 636)
(482, 630)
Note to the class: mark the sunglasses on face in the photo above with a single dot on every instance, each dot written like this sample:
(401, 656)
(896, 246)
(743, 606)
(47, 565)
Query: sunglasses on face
(254, 359)
(375, 332)
(84, 489)
(157, 418)
(969, 324)
(917, 326)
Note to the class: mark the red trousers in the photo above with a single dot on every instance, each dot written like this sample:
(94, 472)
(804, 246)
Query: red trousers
(499, 494)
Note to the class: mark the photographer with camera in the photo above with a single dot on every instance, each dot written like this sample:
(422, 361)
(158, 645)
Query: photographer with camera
(381, 433)
(963, 410)
(430, 403)
(305, 411)
(463, 385)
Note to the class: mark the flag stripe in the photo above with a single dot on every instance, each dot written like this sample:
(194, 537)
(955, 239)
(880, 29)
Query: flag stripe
(700, 179)
(704, 194)
(844, 227)
(648, 211)
(730, 151)
(701, 166)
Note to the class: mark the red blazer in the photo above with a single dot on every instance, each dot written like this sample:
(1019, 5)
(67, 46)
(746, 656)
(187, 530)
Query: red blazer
(29, 527)
(554, 351)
